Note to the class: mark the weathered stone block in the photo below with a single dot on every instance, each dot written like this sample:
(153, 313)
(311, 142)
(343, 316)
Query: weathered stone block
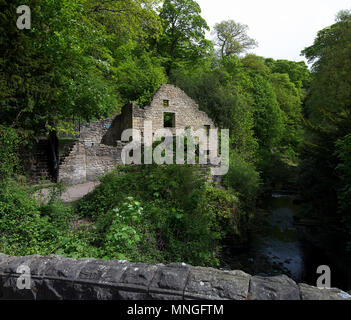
(212, 284)
(170, 280)
(100, 280)
(66, 268)
(136, 280)
(10, 264)
(10, 290)
(9, 277)
(313, 293)
(40, 264)
(273, 288)
(60, 277)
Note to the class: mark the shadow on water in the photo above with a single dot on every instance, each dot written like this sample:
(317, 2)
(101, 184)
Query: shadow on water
(277, 246)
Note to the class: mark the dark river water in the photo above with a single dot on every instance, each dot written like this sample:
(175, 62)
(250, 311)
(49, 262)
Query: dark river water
(277, 246)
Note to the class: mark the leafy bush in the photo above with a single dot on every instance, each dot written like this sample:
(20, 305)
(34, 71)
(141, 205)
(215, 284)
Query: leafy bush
(225, 210)
(150, 214)
(243, 178)
(26, 227)
(160, 214)
(9, 142)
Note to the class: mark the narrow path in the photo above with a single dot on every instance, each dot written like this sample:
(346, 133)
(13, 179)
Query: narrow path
(78, 191)
(72, 193)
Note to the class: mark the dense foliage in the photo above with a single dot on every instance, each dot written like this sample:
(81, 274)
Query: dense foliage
(173, 215)
(325, 169)
(83, 59)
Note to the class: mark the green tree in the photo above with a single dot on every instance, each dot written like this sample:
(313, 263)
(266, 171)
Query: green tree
(298, 72)
(231, 38)
(139, 73)
(220, 92)
(58, 70)
(66, 66)
(269, 122)
(343, 152)
(128, 19)
(324, 170)
(183, 40)
(289, 101)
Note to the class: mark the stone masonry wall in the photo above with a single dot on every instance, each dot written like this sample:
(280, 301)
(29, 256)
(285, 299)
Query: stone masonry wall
(89, 158)
(99, 148)
(101, 159)
(73, 170)
(119, 124)
(94, 131)
(187, 113)
(57, 278)
(87, 161)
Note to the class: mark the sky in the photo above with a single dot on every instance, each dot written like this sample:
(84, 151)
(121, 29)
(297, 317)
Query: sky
(282, 28)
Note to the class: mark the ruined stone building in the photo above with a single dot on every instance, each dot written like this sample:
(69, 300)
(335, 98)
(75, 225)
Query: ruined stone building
(98, 148)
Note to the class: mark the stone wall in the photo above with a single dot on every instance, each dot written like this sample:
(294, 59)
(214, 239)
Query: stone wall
(87, 161)
(94, 131)
(101, 159)
(89, 158)
(119, 124)
(55, 277)
(187, 112)
(73, 169)
(99, 147)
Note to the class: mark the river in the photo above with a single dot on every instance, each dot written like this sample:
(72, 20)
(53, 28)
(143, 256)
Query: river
(277, 246)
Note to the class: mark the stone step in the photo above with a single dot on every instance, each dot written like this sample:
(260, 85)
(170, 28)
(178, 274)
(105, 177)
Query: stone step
(41, 167)
(44, 174)
(41, 170)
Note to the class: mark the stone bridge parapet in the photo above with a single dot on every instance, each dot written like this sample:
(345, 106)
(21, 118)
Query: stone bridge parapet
(56, 278)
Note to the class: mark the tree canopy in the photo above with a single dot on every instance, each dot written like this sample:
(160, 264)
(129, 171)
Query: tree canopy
(231, 38)
(325, 167)
(183, 40)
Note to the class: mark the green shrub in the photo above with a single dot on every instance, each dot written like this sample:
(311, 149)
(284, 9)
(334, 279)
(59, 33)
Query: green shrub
(166, 219)
(146, 214)
(121, 229)
(9, 143)
(224, 207)
(26, 227)
(243, 178)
